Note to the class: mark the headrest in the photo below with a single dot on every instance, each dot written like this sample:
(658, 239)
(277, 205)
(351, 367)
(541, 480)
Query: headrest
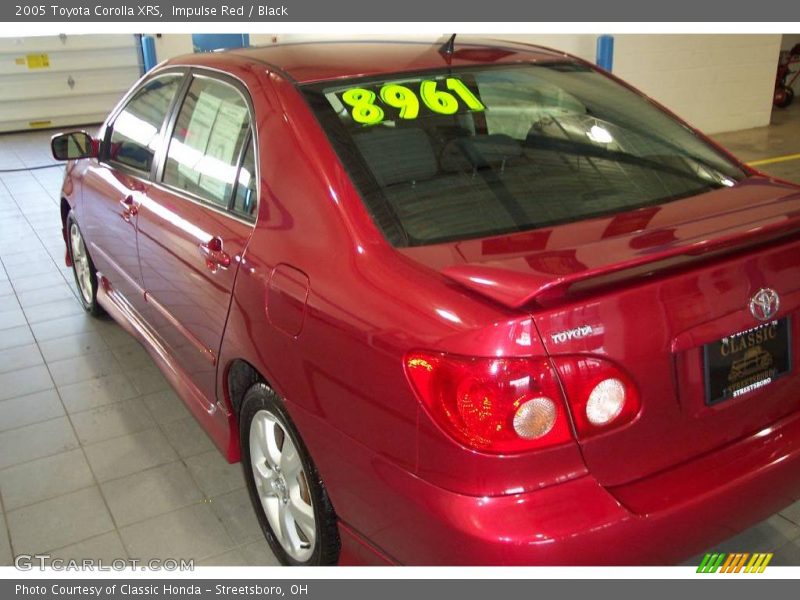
(397, 155)
(480, 151)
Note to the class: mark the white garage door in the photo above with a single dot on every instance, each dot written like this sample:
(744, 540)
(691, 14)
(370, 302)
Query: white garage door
(57, 81)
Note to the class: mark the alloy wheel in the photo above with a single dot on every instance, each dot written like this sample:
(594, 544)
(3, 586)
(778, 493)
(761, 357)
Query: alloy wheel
(282, 486)
(80, 262)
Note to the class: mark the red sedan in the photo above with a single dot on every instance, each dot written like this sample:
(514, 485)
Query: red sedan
(478, 303)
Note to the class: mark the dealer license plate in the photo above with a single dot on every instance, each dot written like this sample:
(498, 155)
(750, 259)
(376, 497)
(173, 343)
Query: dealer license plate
(746, 361)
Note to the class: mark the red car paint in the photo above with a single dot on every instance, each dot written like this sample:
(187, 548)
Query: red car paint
(326, 310)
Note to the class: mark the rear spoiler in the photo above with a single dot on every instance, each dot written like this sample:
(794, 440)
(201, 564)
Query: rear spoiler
(515, 283)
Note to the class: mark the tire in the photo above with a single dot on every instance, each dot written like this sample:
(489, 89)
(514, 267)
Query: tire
(783, 96)
(82, 268)
(289, 498)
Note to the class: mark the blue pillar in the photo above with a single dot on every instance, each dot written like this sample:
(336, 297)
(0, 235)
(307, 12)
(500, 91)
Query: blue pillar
(605, 52)
(149, 52)
(209, 42)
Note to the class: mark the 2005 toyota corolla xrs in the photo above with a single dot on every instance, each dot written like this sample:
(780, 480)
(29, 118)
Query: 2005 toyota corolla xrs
(471, 303)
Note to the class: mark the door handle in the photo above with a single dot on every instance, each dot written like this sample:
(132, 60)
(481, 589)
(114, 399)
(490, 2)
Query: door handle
(129, 208)
(214, 255)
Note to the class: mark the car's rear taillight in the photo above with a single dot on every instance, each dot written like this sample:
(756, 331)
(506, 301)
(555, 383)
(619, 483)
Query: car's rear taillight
(506, 405)
(601, 396)
(497, 405)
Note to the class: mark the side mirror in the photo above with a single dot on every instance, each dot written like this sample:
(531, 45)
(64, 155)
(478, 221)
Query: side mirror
(73, 145)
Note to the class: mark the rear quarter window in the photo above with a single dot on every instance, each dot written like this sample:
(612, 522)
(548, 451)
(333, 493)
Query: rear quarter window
(204, 151)
(246, 195)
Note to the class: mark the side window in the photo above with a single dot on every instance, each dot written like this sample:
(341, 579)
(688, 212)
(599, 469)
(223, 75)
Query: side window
(244, 201)
(203, 154)
(135, 132)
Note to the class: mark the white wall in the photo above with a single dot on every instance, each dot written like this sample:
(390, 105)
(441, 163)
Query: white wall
(716, 82)
(789, 40)
(173, 44)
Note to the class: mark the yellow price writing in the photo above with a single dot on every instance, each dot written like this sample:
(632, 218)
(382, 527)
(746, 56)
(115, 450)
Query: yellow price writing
(465, 94)
(364, 109)
(402, 98)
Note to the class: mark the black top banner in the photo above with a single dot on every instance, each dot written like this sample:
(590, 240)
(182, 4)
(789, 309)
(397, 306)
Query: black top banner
(454, 11)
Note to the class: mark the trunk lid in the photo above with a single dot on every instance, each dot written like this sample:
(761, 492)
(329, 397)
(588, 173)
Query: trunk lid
(647, 289)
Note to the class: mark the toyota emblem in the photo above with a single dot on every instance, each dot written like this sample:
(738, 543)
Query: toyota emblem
(764, 304)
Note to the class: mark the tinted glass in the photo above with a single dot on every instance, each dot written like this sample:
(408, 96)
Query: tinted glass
(472, 153)
(135, 133)
(244, 201)
(203, 153)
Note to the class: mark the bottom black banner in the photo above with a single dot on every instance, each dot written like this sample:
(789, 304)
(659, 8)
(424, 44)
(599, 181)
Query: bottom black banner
(393, 589)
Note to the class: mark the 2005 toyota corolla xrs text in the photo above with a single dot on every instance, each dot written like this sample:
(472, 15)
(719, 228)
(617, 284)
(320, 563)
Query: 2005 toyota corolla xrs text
(461, 303)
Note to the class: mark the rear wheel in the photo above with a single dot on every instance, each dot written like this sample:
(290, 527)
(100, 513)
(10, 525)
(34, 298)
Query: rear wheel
(289, 498)
(83, 268)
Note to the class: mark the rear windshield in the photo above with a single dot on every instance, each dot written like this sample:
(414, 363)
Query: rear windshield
(458, 154)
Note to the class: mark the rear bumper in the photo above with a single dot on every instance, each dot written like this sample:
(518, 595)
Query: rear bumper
(660, 520)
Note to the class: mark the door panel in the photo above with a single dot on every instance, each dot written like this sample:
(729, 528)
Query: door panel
(188, 295)
(190, 242)
(115, 187)
(110, 199)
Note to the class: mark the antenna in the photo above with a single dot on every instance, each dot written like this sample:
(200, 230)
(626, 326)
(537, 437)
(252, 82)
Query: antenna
(447, 49)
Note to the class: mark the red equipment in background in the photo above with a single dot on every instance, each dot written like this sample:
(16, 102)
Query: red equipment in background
(785, 78)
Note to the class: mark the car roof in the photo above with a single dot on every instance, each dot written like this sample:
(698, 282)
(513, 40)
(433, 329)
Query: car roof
(307, 62)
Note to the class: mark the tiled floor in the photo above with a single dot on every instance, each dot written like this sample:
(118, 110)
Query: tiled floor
(91, 464)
